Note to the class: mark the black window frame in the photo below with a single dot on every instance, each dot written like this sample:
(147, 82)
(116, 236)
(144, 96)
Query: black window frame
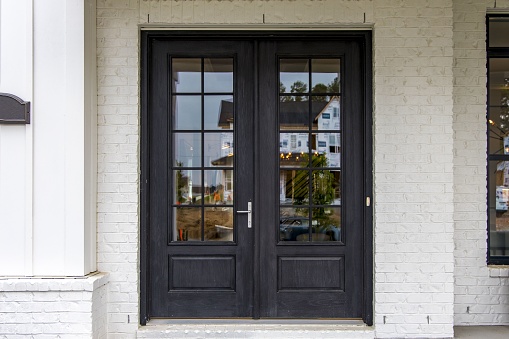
(492, 53)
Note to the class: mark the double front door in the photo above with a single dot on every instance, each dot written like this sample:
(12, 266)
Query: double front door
(254, 174)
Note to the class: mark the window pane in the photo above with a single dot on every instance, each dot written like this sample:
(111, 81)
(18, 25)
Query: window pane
(218, 76)
(187, 149)
(293, 112)
(187, 112)
(326, 224)
(326, 148)
(187, 224)
(325, 76)
(218, 187)
(326, 114)
(326, 187)
(294, 149)
(498, 201)
(293, 76)
(187, 187)
(218, 112)
(294, 187)
(218, 149)
(186, 75)
(218, 224)
(293, 224)
(498, 28)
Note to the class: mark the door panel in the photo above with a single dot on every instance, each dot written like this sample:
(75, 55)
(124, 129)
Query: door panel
(278, 123)
(201, 259)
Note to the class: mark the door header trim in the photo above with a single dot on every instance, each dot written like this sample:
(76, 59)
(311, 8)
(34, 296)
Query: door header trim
(255, 27)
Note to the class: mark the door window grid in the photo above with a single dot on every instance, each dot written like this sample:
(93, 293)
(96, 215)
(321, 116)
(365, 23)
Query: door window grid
(202, 157)
(310, 180)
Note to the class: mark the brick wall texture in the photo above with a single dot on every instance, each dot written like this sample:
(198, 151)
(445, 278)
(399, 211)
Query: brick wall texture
(429, 151)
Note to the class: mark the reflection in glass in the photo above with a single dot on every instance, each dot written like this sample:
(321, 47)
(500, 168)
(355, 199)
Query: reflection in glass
(218, 187)
(293, 222)
(294, 112)
(294, 149)
(218, 149)
(187, 187)
(219, 223)
(187, 223)
(186, 75)
(499, 207)
(326, 114)
(294, 187)
(218, 112)
(187, 151)
(218, 75)
(293, 76)
(326, 149)
(498, 28)
(326, 224)
(326, 187)
(325, 75)
(187, 112)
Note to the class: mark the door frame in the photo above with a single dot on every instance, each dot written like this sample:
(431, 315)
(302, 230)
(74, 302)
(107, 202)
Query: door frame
(364, 37)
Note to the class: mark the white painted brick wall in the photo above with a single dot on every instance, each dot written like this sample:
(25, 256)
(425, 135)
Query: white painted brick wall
(53, 307)
(420, 216)
(481, 293)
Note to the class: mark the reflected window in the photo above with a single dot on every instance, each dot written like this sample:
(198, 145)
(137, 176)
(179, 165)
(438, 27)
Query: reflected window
(309, 150)
(202, 135)
(498, 140)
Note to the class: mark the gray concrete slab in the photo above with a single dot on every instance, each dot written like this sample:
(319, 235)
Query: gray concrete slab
(481, 332)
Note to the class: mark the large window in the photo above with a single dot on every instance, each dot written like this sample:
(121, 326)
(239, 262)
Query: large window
(498, 139)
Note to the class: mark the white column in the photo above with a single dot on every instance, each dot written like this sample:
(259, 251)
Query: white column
(64, 123)
(16, 140)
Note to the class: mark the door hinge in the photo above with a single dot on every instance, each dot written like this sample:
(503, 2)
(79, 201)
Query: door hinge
(368, 201)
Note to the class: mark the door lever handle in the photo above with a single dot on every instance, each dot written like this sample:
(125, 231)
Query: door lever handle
(249, 214)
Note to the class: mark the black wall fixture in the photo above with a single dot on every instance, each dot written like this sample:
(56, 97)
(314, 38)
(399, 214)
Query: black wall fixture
(13, 110)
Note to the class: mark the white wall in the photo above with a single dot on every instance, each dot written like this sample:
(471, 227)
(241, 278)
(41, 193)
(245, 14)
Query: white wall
(413, 136)
(481, 292)
(16, 140)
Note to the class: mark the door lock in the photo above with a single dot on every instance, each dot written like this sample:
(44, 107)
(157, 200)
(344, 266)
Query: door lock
(249, 214)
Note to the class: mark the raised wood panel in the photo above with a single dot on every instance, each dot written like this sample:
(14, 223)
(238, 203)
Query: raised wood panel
(304, 273)
(215, 273)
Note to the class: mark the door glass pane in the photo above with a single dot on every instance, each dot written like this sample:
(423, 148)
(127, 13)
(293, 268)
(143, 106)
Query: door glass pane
(218, 187)
(218, 112)
(187, 112)
(325, 75)
(218, 149)
(186, 75)
(293, 222)
(294, 112)
(294, 76)
(326, 224)
(293, 149)
(326, 148)
(218, 75)
(187, 224)
(187, 187)
(326, 114)
(218, 223)
(498, 201)
(294, 187)
(326, 187)
(187, 149)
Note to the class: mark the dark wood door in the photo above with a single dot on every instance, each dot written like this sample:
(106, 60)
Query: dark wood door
(276, 123)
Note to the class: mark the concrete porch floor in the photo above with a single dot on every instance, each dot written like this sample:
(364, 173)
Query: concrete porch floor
(481, 332)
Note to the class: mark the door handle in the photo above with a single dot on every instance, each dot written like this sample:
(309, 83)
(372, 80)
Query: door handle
(249, 213)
